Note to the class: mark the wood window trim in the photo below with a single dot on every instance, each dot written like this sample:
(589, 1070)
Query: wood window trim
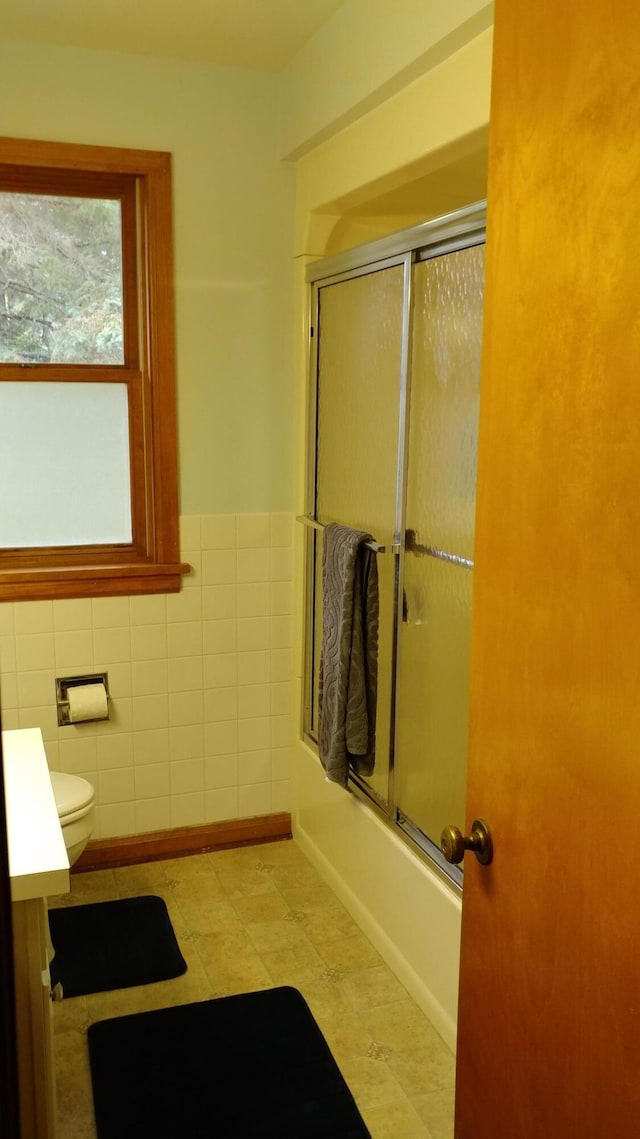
(151, 564)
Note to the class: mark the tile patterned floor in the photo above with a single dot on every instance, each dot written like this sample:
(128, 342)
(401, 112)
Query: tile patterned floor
(250, 919)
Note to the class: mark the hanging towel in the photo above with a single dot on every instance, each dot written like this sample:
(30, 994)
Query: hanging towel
(349, 658)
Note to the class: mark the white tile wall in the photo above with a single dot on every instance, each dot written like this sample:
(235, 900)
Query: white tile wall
(200, 682)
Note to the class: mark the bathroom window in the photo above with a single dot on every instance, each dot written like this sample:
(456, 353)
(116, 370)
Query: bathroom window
(88, 464)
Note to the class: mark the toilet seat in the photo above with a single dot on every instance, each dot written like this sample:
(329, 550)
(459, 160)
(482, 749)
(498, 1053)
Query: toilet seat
(73, 794)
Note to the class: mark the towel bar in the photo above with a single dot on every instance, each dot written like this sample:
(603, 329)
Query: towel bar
(307, 521)
(433, 552)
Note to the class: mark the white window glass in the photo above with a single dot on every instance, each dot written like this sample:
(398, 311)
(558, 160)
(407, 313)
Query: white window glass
(60, 280)
(64, 464)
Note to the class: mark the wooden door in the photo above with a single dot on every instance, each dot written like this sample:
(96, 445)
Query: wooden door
(549, 1023)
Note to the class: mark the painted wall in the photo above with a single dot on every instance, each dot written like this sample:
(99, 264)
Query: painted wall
(425, 129)
(364, 54)
(232, 207)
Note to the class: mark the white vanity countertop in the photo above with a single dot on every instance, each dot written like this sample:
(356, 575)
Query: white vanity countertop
(38, 863)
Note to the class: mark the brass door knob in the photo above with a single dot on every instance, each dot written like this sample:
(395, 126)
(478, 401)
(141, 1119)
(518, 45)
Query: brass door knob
(453, 843)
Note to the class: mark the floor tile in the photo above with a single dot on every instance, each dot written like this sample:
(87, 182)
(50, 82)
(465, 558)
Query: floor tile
(252, 918)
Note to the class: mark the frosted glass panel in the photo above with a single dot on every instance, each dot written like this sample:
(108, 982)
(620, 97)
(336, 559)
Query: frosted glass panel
(433, 695)
(445, 393)
(64, 464)
(358, 393)
(359, 347)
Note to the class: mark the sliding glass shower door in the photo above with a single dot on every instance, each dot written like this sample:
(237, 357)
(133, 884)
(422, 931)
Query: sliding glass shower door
(432, 682)
(360, 337)
(393, 426)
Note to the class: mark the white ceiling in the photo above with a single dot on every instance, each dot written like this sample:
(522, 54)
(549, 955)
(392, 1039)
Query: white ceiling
(261, 34)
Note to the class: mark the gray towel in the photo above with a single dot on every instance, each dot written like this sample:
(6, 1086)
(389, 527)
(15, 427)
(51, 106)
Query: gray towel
(349, 660)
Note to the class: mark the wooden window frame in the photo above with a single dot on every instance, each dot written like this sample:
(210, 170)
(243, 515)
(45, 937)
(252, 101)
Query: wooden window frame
(150, 563)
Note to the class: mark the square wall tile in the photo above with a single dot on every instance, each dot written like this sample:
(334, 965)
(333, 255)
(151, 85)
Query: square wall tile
(221, 804)
(9, 690)
(281, 632)
(116, 819)
(254, 565)
(115, 751)
(74, 650)
(34, 651)
(184, 639)
(185, 708)
(281, 665)
(153, 814)
(254, 634)
(254, 700)
(33, 617)
(110, 612)
(219, 567)
(219, 637)
(220, 670)
(253, 530)
(220, 704)
(281, 564)
(187, 810)
(254, 735)
(254, 600)
(115, 786)
(187, 775)
(76, 755)
(281, 525)
(186, 741)
(7, 624)
(218, 531)
(221, 771)
(152, 780)
(148, 677)
(281, 763)
(148, 609)
(184, 606)
(254, 767)
(35, 688)
(254, 668)
(8, 655)
(254, 800)
(150, 712)
(281, 598)
(148, 642)
(112, 645)
(281, 699)
(151, 746)
(280, 796)
(72, 614)
(219, 601)
(185, 674)
(221, 738)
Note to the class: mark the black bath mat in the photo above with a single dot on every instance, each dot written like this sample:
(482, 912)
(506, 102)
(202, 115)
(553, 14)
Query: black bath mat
(253, 1066)
(113, 945)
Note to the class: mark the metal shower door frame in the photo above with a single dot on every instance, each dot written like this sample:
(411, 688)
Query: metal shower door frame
(447, 234)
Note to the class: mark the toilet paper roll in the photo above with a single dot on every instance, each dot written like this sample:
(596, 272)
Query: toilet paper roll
(87, 702)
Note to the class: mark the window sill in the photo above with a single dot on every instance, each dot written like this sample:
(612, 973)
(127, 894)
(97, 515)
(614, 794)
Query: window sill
(52, 582)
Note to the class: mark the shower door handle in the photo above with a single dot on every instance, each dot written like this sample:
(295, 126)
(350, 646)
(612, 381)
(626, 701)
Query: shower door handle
(453, 843)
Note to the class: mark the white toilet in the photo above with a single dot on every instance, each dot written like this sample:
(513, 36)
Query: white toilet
(74, 800)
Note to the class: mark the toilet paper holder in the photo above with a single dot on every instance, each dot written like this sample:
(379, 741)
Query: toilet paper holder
(64, 683)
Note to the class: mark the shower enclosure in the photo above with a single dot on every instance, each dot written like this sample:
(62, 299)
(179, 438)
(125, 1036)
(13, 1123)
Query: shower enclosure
(393, 411)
